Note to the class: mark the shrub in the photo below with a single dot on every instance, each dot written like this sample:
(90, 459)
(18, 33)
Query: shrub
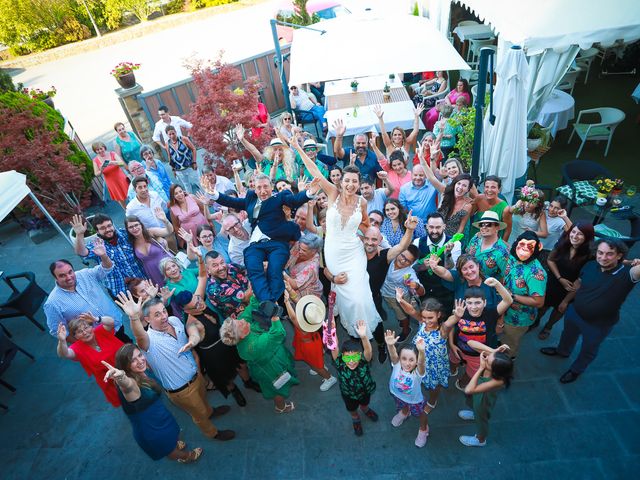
(32, 141)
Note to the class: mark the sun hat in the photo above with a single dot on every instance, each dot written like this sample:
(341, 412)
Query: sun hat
(490, 216)
(276, 142)
(310, 142)
(310, 311)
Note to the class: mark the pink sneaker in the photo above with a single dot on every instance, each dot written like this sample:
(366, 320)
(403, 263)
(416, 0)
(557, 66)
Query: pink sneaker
(421, 439)
(398, 419)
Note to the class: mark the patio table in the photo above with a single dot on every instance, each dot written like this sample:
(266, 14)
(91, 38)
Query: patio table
(470, 32)
(558, 109)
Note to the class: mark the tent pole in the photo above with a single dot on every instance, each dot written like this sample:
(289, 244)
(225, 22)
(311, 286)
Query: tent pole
(50, 218)
(483, 69)
(280, 60)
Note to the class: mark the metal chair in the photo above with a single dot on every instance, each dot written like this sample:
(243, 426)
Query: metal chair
(304, 117)
(610, 118)
(23, 303)
(8, 351)
(581, 170)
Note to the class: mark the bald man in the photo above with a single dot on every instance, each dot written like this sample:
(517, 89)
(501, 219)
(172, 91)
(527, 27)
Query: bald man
(418, 195)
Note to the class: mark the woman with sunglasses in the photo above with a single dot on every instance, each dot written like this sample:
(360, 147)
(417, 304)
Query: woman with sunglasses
(286, 127)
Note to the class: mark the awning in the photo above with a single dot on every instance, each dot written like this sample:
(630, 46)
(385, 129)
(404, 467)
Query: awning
(362, 46)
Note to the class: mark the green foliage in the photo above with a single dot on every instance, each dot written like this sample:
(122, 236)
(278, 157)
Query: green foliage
(300, 16)
(211, 3)
(6, 83)
(115, 10)
(465, 120)
(416, 10)
(175, 6)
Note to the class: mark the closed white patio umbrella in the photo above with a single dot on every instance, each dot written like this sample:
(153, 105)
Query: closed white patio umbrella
(504, 144)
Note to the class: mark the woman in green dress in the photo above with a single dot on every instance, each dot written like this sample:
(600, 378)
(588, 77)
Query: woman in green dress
(127, 144)
(267, 357)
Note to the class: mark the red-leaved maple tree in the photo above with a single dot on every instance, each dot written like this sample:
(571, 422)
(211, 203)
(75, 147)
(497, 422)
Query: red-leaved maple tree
(29, 147)
(224, 100)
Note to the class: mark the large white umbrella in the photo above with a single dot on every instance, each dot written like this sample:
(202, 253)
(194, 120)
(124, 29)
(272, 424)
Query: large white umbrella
(504, 144)
(362, 46)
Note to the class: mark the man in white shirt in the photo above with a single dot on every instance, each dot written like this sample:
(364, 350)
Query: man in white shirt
(160, 135)
(145, 203)
(301, 100)
(209, 178)
(239, 237)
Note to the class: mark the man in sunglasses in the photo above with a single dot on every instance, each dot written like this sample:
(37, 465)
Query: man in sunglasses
(321, 160)
(491, 251)
(239, 237)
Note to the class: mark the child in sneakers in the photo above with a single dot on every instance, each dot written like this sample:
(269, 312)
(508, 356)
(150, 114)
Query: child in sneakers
(495, 372)
(435, 334)
(307, 318)
(354, 375)
(409, 367)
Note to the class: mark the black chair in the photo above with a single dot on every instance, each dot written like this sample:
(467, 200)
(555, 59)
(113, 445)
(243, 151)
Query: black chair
(8, 350)
(577, 170)
(304, 117)
(23, 303)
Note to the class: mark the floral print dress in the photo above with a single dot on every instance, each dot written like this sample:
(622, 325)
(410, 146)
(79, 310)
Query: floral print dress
(437, 371)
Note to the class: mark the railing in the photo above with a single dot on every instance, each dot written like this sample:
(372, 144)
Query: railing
(179, 96)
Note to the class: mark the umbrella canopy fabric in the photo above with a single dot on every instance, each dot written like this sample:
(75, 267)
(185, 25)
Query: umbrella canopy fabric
(504, 144)
(13, 189)
(536, 25)
(361, 46)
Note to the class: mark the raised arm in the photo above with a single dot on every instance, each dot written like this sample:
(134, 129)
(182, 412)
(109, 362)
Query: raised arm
(406, 306)
(409, 227)
(437, 184)
(133, 310)
(390, 339)
(195, 333)
(328, 187)
(505, 295)
(79, 228)
(340, 129)
(377, 109)
(161, 231)
(384, 176)
(127, 385)
(439, 270)
(239, 131)
(507, 218)
(361, 330)
(473, 386)
(413, 136)
(63, 349)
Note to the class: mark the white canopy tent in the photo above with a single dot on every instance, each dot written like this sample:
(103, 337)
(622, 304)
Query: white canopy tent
(13, 189)
(361, 46)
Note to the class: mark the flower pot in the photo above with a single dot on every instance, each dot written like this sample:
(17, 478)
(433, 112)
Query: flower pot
(533, 144)
(48, 101)
(386, 96)
(128, 80)
(88, 239)
(354, 89)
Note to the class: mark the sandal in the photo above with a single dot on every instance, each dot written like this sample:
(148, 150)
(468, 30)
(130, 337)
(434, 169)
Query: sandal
(544, 334)
(194, 455)
(180, 445)
(288, 408)
(431, 407)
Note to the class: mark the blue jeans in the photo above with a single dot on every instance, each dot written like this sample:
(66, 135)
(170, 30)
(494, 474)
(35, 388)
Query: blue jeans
(592, 337)
(269, 286)
(318, 113)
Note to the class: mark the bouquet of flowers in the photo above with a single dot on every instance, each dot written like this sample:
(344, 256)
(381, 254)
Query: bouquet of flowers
(37, 94)
(124, 68)
(605, 185)
(529, 193)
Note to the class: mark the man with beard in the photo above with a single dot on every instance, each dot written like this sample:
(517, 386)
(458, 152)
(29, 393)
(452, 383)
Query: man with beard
(228, 288)
(364, 159)
(418, 195)
(600, 291)
(378, 261)
(321, 160)
(81, 292)
(239, 237)
(118, 249)
(489, 200)
(434, 240)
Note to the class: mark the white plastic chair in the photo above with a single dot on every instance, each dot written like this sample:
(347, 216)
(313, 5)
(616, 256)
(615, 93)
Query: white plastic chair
(467, 22)
(474, 91)
(568, 82)
(584, 60)
(610, 118)
(438, 96)
(475, 44)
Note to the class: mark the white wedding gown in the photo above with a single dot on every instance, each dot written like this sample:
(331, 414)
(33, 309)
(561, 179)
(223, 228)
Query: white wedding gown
(344, 252)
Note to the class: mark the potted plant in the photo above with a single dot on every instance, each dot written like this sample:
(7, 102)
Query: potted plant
(392, 76)
(538, 137)
(354, 86)
(123, 72)
(89, 236)
(386, 92)
(42, 95)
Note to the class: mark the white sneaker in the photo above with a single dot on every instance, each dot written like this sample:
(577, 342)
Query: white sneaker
(471, 441)
(313, 373)
(466, 415)
(328, 383)
(398, 419)
(421, 439)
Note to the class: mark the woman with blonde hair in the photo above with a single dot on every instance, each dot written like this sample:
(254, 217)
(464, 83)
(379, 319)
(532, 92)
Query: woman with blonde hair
(277, 161)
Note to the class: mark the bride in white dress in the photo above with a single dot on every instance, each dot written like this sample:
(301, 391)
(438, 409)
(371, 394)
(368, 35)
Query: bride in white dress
(344, 251)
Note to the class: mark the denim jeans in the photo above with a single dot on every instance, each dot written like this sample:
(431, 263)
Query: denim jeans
(269, 286)
(592, 337)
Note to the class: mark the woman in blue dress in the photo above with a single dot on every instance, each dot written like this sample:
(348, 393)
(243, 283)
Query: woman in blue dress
(127, 144)
(154, 428)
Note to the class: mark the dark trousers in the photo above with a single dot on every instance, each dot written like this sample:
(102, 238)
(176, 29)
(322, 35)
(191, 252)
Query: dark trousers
(269, 285)
(592, 337)
(123, 337)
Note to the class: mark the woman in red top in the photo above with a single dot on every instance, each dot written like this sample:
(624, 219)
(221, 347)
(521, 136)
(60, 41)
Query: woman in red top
(92, 346)
(107, 164)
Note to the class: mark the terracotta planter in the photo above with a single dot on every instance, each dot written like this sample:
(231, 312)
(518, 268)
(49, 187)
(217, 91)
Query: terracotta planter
(127, 81)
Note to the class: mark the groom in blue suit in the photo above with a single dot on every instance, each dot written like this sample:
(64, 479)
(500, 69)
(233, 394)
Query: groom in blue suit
(271, 234)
